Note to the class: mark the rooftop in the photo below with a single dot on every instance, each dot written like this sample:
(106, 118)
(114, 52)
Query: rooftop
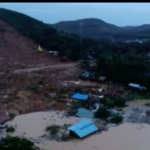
(80, 96)
(83, 128)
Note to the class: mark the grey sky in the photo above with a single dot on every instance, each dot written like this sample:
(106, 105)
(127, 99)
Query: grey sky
(120, 14)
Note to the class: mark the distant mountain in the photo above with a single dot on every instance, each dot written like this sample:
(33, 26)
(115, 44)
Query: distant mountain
(97, 28)
(138, 28)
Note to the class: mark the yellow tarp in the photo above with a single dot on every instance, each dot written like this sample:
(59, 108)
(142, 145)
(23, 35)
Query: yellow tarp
(40, 49)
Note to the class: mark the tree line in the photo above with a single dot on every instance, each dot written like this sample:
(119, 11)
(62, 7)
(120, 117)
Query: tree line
(118, 61)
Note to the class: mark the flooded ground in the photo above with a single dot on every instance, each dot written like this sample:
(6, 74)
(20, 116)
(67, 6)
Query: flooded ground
(34, 124)
(123, 137)
(139, 102)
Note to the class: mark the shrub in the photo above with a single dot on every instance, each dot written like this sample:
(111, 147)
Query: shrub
(119, 101)
(116, 119)
(65, 138)
(102, 113)
(53, 129)
(17, 143)
(107, 102)
(10, 129)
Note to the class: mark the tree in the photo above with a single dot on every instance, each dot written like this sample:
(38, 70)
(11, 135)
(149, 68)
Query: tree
(102, 113)
(119, 101)
(17, 143)
(116, 119)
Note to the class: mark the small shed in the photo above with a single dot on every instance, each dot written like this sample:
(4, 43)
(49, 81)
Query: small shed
(79, 96)
(134, 85)
(4, 118)
(83, 128)
(137, 86)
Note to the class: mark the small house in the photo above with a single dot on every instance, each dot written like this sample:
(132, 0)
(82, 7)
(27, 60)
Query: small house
(55, 53)
(83, 128)
(136, 86)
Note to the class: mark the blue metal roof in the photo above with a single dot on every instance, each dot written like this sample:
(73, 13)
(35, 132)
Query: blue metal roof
(80, 96)
(83, 128)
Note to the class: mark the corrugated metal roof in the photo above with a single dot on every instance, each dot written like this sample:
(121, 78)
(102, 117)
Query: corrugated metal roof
(80, 96)
(4, 118)
(83, 128)
(134, 85)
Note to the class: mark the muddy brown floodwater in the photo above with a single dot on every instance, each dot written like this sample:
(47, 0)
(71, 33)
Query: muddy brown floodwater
(139, 102)
(124, 137)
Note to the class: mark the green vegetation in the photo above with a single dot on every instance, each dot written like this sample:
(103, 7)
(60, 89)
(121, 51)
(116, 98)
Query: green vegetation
(125, 63)
(65, 137)
(117, 61)
(116, 119)
(53, 129)
(117, 101)
(17, 143)
(42, 33)
(138, 96)
(102, 113)
(10, 129)
(95, 28)
(107, 102)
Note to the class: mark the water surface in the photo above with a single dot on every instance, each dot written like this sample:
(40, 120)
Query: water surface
(124, 137)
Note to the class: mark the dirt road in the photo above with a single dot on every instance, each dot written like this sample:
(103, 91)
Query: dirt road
(44, 67)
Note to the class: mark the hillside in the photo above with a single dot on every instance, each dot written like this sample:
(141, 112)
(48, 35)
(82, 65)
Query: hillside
(39, 32)
(90, 27)
(49, 38)
(97, 28)
(18, 50)
(28, 26)
(31, 76)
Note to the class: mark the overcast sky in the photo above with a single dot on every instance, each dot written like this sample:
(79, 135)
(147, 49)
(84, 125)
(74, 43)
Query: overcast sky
(120, 14)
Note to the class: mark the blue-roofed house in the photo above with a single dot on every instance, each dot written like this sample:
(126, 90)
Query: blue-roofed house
(83, 128)
(137, 86)
(79, 96)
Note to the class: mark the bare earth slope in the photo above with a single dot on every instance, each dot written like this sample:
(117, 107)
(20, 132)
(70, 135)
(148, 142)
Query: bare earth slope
(29, 89)
(17, 50)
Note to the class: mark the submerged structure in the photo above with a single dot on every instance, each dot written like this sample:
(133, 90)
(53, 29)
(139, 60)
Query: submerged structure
(84, 113)
(83, 128)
